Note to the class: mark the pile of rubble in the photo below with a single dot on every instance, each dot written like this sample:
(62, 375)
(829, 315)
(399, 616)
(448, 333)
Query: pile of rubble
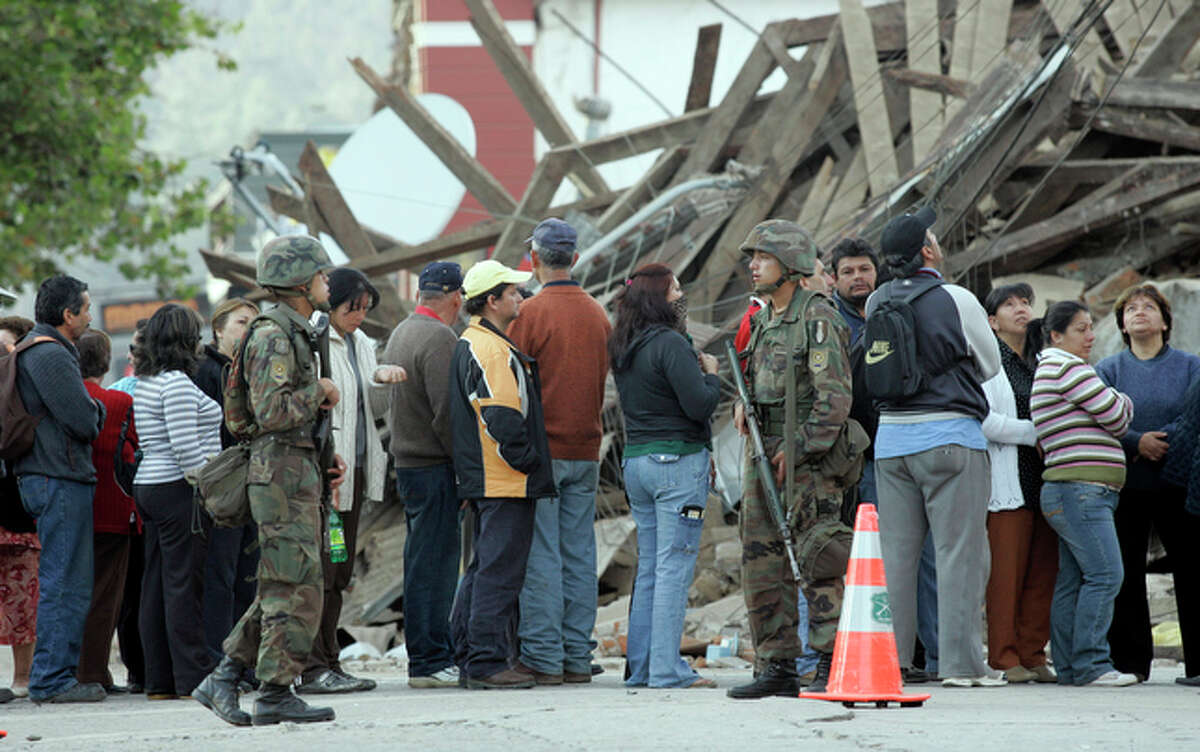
(1054, 138)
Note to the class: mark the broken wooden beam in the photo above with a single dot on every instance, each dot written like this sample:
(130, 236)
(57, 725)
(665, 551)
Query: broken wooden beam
(934, 82)
(704, 64)
(1032, 243)
(335, 214)
(643, 190)
(1154, 93)
(473, 175)
(831, 72)
(1165, 57)
(543, 184)
(1138, 125)
(517, 71)
(883, 172)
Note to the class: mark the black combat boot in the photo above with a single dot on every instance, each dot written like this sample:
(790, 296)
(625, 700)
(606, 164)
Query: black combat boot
(821, 681)
(779, 678)
(276, 704)
(219, 692)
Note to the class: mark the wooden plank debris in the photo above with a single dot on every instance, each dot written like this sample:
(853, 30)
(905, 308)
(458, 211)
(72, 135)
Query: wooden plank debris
(704, 64)
(478, 181)
(873, 122)
(515, 68)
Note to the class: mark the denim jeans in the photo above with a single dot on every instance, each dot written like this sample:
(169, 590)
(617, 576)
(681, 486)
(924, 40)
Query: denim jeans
(431, 551)
(1089, 577)
(558, 601)
(807, 661)
(927, 612)
(63, 510)
(667, 496)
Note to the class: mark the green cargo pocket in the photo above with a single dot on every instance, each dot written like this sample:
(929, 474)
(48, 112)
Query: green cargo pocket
(823, 550)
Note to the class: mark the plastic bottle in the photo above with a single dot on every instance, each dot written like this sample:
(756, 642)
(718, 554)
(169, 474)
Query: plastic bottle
(337, 538)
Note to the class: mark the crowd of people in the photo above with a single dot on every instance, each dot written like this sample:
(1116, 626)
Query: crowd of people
(1011, 477)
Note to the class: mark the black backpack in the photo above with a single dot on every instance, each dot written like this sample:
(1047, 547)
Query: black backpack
(893, 371)
(17, 426)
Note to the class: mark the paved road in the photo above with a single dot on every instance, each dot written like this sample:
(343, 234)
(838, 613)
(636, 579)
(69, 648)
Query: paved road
(605, 715)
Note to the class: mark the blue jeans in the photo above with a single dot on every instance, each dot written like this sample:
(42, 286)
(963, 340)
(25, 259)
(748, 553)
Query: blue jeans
(667, 496)
(431, 551)
(558, 601)
(63, 510)
(809, 658)
(927, 611)
(1089, 577)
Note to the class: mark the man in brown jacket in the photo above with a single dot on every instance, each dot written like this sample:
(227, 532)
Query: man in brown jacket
(421, 444)
(566, 331)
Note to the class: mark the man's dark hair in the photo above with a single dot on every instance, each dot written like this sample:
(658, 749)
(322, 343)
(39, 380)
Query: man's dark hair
(346, 284)
(1151, 293)
(852, 248)
(56, 294)
(1058, 317)
(95, 353)
(641, 304)
(169, 341)
(999, 295)
(553, 257)
(476, 305)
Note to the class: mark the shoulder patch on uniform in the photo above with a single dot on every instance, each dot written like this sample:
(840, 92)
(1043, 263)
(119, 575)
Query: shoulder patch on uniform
(818, 359)
(279, 370)
(282, 347)
(821, 333)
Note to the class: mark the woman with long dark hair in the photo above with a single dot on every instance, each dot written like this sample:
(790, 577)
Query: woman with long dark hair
(668, 394)
(1079, 421)
(179, 429)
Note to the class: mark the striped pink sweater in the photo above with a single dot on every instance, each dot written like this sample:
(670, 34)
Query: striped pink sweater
(1078, 420)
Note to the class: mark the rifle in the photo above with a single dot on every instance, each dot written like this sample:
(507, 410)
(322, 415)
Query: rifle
(323, 429)
(762, 462)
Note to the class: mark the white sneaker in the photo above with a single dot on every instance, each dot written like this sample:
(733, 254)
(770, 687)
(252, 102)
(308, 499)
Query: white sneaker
(1112, 679)
(974, 681)
(447, 677)
(1019, 675)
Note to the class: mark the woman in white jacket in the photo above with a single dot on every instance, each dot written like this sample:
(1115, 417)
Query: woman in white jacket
(363, 386)
(1024, 549)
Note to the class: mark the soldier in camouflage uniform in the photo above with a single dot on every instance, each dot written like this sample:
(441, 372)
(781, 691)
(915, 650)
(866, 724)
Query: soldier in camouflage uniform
(797, 336)
(277, 410)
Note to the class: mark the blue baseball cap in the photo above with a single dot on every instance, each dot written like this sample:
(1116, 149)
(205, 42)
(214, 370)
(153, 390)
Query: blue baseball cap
(553, 234)
(441, 276)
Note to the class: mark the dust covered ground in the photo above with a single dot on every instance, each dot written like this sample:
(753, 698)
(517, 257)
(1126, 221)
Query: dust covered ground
(604, 715)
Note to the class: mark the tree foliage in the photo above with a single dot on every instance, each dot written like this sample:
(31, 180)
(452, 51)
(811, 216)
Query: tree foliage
(74, 181)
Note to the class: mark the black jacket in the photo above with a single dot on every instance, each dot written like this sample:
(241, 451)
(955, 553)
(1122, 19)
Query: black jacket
(664, 394)
(955, 346)
(210, 377)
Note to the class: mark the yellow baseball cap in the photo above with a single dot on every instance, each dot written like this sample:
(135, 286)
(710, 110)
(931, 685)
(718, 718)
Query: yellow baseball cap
(486, 274)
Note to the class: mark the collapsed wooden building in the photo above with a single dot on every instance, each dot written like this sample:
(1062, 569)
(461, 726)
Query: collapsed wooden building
(1059, 137)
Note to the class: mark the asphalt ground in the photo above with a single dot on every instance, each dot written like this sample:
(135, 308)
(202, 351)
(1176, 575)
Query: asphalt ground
(605, 715)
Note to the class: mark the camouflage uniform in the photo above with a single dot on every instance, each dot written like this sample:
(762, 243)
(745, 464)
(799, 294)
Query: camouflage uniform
(285, 480)
(821, 367)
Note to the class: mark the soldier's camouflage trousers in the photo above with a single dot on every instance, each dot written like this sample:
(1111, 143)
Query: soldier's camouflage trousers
(276, 633)
(822, 551)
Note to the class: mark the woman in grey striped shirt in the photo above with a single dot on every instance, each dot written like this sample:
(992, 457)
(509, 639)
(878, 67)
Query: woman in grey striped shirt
(179, 428)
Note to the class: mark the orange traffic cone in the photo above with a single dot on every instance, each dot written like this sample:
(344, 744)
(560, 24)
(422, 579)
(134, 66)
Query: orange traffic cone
(865, 666)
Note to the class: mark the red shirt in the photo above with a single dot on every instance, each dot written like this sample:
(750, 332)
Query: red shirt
(112, 510)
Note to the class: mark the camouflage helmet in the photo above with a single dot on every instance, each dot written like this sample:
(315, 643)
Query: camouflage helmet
(786, 241)
(291, 261)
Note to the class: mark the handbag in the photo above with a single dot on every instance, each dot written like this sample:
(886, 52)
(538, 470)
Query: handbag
(124, 472)
(221, 484)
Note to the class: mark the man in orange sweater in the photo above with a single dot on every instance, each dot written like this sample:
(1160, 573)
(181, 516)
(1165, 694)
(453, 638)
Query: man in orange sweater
(566, 331)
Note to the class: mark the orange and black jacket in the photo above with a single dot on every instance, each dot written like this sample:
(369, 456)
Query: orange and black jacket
(500, 446)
